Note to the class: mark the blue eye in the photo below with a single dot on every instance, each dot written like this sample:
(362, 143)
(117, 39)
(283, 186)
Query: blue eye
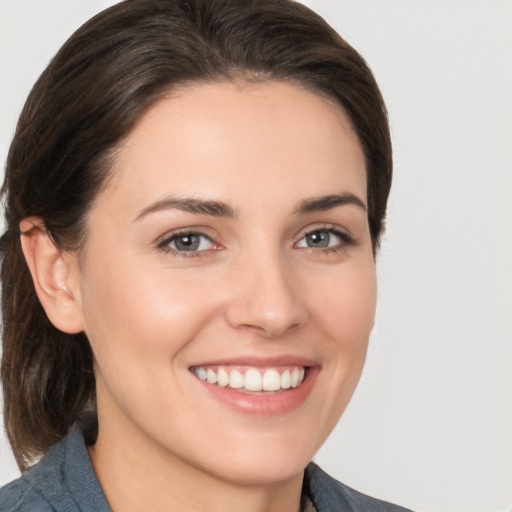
(324, 239)
(188, 242)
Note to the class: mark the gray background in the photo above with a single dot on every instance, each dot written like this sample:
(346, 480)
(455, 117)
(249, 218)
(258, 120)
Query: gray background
(430, 426)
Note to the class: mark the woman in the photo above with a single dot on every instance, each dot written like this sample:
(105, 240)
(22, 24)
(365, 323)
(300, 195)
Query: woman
(194, 199)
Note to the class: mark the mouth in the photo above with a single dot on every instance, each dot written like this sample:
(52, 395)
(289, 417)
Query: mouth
(251, 379)
(267, 387)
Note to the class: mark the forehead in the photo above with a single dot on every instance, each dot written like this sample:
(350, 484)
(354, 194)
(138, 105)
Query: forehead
(227, 139)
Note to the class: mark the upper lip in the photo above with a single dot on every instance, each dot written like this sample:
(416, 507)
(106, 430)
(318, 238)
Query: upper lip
(259, 362)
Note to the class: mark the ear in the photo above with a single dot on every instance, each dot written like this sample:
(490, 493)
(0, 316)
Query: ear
(55, 274)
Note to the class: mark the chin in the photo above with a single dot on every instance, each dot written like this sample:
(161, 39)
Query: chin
(271, 458)
(267, 471)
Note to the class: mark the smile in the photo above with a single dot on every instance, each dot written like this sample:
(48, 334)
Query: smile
(252, 379)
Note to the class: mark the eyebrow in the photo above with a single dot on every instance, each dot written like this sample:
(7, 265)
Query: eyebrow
(190, 205)
(320, 204)
(221, 209)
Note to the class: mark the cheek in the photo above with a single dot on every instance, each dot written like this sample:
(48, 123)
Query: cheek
(140, 325)
(346, 307)
(144, 315)
(346, 315)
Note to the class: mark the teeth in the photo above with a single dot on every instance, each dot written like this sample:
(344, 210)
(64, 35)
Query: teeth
(295, 378)
(271, 380)
(252, 379)
(222, 378)
(286, 379)
(201, 373)
(211, 376)
(236, 380)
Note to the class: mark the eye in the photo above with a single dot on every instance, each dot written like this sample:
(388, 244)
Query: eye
(324, 239)
(187, 242)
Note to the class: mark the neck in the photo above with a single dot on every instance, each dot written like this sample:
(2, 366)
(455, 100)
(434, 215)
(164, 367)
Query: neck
(137, 475)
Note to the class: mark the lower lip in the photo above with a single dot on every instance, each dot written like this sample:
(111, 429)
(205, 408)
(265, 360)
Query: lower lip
(271, 404)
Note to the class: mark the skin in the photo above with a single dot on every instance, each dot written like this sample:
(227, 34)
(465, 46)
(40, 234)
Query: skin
(255, 289)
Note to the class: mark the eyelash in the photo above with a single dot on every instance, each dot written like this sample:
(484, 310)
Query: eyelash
(164, 244)
(345, 241)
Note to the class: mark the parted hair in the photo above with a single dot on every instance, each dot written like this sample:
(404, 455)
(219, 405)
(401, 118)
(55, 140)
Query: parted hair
(99, 84)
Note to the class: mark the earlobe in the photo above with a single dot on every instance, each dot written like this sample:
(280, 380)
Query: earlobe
(55, 276)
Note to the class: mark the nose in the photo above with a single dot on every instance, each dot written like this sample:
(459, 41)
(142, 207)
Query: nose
(265, 297)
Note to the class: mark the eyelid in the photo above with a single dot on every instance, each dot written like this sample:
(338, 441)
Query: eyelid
(162, 242)
(346, 238)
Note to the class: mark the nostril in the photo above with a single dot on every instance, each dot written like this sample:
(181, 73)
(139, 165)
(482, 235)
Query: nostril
(265, 299)
(270, 326)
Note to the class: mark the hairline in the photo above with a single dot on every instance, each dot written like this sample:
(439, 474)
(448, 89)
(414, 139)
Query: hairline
(239, 78)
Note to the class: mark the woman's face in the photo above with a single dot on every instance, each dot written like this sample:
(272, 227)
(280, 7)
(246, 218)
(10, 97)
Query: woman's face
(228, 289)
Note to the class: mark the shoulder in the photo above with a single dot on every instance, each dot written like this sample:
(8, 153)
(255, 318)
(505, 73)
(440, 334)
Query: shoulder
(24, 494)
(19, 496)
(62, 481)
(329, 495)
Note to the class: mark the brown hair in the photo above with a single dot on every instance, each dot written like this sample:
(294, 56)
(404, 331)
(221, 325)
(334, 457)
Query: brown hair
(87, 100)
